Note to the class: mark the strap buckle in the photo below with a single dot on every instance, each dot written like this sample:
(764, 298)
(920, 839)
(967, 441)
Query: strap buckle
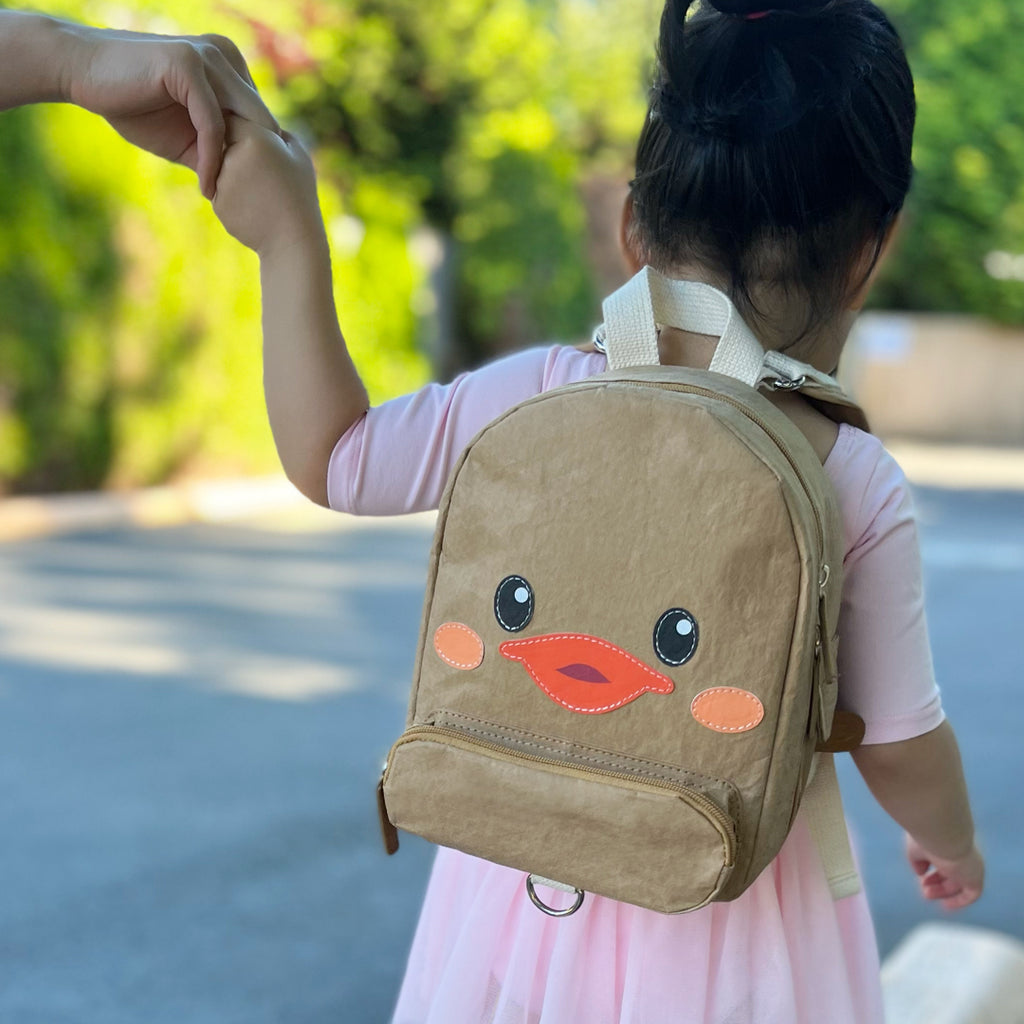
(787, 383)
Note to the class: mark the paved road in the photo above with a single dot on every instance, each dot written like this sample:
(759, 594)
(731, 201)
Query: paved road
(192, 719)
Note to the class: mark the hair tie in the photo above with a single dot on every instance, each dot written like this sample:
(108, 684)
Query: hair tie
(755, 15)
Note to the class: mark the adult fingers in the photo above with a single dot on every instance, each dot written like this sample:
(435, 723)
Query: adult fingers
(238, 129)
(205, 113)
(229, 75)
(231, 53)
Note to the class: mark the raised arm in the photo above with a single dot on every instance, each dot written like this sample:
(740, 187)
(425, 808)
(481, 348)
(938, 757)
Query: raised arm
(266, 197)
(167, 94)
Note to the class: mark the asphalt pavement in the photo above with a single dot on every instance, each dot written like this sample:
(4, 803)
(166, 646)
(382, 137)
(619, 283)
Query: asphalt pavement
(192, 721)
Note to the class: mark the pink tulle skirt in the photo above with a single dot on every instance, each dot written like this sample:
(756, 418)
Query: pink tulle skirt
(783, 953)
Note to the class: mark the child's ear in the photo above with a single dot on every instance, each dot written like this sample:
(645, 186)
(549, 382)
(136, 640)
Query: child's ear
(892, 233)
(629, 254)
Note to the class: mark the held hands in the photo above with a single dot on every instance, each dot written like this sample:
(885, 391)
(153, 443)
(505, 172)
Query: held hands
(191, 100)
(958, 883)
(168, 95)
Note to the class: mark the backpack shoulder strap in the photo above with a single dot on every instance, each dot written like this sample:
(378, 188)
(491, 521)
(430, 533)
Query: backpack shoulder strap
(782, 372)
(632, 315)
(822, 805)
(629, 337)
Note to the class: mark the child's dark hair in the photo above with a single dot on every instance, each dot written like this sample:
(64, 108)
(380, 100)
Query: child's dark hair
(776, 146)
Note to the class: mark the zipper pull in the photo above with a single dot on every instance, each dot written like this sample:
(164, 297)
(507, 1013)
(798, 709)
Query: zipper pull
(826, 671)
(388, 831)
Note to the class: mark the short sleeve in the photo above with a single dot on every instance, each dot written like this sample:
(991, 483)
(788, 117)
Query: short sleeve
(398, 456)
(885, 664)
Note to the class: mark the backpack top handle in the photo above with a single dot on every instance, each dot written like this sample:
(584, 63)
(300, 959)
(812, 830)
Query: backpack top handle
(649, 298)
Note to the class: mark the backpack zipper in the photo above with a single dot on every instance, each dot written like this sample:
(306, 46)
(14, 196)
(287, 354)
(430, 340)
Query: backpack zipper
(722, 821)
(821, 642)
(696, 389)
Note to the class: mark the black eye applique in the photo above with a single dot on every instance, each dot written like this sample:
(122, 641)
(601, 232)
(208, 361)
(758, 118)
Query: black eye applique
(513, 603)
(675, 636)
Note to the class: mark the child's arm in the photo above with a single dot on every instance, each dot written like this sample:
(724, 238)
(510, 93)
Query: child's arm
(266, 197)
(165, 94)
(920, 783)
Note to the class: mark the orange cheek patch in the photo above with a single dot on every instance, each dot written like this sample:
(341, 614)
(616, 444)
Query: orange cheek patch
(458, 645)
(727, 709)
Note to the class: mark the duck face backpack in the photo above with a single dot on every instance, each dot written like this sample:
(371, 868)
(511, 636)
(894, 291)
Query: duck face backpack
(627, 657)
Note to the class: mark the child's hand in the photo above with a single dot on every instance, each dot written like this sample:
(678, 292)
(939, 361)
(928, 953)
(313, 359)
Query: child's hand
(266, 192)
(958, 883)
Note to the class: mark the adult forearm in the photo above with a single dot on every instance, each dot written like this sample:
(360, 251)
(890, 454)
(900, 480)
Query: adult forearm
(920, 783)
(313, 391)
(34, 58)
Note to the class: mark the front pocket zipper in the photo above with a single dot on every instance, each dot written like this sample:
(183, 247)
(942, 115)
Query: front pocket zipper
(552, 760)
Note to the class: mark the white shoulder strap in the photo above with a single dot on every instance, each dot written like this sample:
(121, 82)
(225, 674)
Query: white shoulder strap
(822, 805)
(630, 334)
(633, 312)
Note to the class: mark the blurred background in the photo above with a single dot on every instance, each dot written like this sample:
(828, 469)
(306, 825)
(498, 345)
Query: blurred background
(473, 156)
(192, 718)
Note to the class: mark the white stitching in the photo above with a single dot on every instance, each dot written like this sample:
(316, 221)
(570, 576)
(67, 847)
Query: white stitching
(693, 648)
(529, 604)
(547, 638)
(746, 694)
(451, 661)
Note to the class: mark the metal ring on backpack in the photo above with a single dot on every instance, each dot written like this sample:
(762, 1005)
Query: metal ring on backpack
(782, 384)
(551, 911)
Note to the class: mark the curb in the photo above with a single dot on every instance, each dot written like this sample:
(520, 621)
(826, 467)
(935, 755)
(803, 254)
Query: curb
(209, 502)
(960, 467)
(954, 974)
(216, 501)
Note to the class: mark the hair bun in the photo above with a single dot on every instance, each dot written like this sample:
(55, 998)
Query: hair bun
(745, 7)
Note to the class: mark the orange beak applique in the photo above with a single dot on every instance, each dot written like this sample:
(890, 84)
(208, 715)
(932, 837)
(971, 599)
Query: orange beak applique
(585, 673)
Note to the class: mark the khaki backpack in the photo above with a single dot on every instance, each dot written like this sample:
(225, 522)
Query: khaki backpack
(628, 650)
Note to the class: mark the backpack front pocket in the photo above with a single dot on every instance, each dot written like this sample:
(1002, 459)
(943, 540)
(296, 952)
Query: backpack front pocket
(628, 831)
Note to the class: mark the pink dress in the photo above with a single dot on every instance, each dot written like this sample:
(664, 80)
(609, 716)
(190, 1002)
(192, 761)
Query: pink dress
(783, 953)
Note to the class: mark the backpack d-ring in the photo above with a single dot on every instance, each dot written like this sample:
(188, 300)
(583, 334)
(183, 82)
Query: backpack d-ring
(531, 891)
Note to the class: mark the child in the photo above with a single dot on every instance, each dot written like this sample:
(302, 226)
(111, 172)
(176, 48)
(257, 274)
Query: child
(773, 162)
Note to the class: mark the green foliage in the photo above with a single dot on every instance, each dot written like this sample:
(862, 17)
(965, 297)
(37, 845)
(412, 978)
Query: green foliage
(130, 336)
(58, 279)
(968, 194)
(453, 102)
(451, 138)
(130, 339)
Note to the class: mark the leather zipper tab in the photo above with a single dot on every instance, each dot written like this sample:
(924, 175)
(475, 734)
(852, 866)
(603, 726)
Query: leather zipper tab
(388, 831)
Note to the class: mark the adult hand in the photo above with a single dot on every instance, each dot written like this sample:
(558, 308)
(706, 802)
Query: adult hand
(167, 94)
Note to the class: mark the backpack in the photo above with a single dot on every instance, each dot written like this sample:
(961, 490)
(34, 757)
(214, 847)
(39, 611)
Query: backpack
(628, 649)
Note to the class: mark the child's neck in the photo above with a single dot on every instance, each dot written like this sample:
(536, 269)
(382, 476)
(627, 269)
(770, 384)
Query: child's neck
(783, 322)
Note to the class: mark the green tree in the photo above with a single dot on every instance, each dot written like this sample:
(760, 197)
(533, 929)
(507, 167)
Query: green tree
(448, 105)
(130, 340)
(968, 196)
(451, 139)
